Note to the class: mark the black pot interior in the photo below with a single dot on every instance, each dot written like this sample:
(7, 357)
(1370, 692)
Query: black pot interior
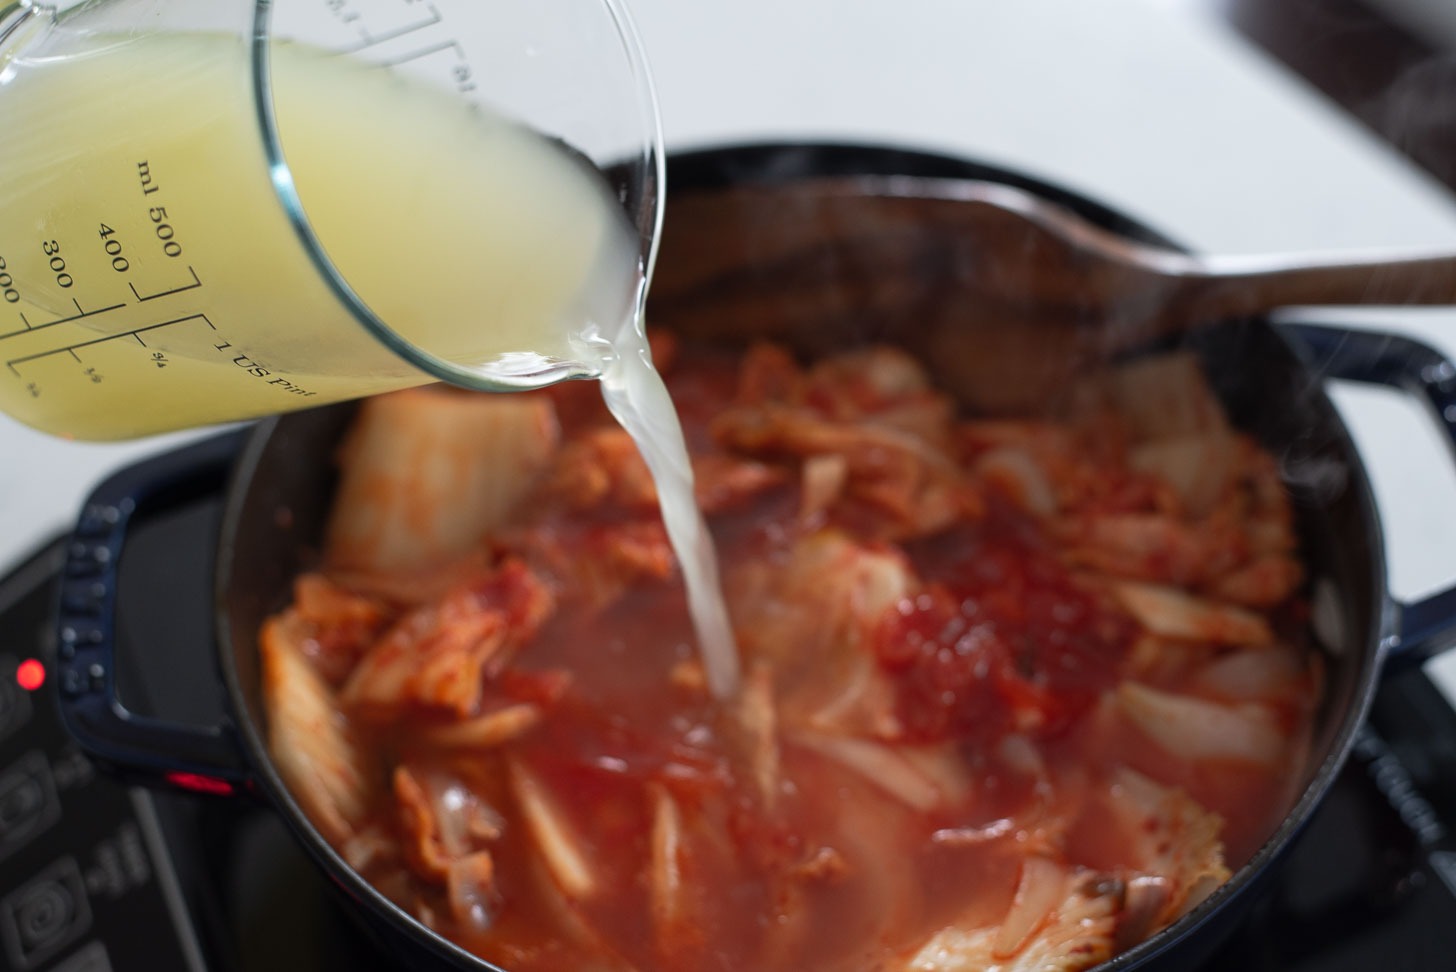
(281, 493)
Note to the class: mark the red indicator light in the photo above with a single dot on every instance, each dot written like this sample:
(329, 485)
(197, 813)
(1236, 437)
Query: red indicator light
(200, 784)
(30, 675)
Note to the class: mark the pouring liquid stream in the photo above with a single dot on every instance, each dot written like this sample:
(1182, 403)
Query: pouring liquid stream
(637, 397)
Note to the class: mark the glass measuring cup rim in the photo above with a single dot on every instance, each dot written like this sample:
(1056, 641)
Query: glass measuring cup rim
(18, 21)
(648, 221)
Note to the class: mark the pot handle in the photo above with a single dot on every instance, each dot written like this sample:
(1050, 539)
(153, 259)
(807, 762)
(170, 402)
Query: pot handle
(1428, 626)
(208, 759)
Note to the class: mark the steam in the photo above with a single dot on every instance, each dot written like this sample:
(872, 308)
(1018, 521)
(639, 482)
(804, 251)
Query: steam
(1417, 113)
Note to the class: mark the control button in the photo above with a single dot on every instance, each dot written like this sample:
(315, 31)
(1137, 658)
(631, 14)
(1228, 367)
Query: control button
(98, 520)
(87, 560)
(73, 683)
(91, 958)
(71, 635)
(28, 801)
(71, 769)
(42, 917)
(79, 562)
(83, 598)
(14, 701)
(121, 864)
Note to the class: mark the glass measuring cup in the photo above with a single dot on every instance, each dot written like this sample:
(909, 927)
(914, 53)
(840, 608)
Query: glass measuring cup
(217, 210)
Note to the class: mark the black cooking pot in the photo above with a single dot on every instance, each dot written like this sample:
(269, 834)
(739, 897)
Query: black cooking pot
(823, 294)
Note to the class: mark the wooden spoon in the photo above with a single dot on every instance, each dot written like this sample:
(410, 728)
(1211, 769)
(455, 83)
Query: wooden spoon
(1007, 295)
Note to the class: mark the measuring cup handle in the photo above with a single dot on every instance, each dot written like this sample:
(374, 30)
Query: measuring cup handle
(202, 758)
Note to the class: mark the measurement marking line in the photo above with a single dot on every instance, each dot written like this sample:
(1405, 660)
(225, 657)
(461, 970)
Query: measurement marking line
(374, 39)
(31, 328)
(71, 349)
(426, 52)
(167, 293)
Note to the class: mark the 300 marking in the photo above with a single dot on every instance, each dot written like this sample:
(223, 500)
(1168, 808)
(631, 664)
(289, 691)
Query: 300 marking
(7, 284)
(52, 249)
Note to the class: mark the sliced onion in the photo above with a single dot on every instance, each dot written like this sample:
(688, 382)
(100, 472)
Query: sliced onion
(1018, 473)
(471, 892)
(1172, 613)
(1194, 729)
(1041, 888)
(823, 482)
(759, 718)
(562, 852)
(487, 731)
(664, 879)
(943, 766)
(1254, 676)
(880, 765)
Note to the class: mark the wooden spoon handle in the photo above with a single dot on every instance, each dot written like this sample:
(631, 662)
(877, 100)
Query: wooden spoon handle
(1249, 287)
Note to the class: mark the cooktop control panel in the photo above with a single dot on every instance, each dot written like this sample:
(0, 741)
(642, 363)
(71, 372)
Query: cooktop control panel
(83, 864)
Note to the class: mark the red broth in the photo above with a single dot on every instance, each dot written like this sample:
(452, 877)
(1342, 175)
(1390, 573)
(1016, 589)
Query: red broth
(1016, 691)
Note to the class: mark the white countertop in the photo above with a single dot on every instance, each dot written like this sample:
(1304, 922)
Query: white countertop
(1135, 102)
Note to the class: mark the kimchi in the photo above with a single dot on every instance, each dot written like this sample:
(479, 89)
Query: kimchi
(1017, 694)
